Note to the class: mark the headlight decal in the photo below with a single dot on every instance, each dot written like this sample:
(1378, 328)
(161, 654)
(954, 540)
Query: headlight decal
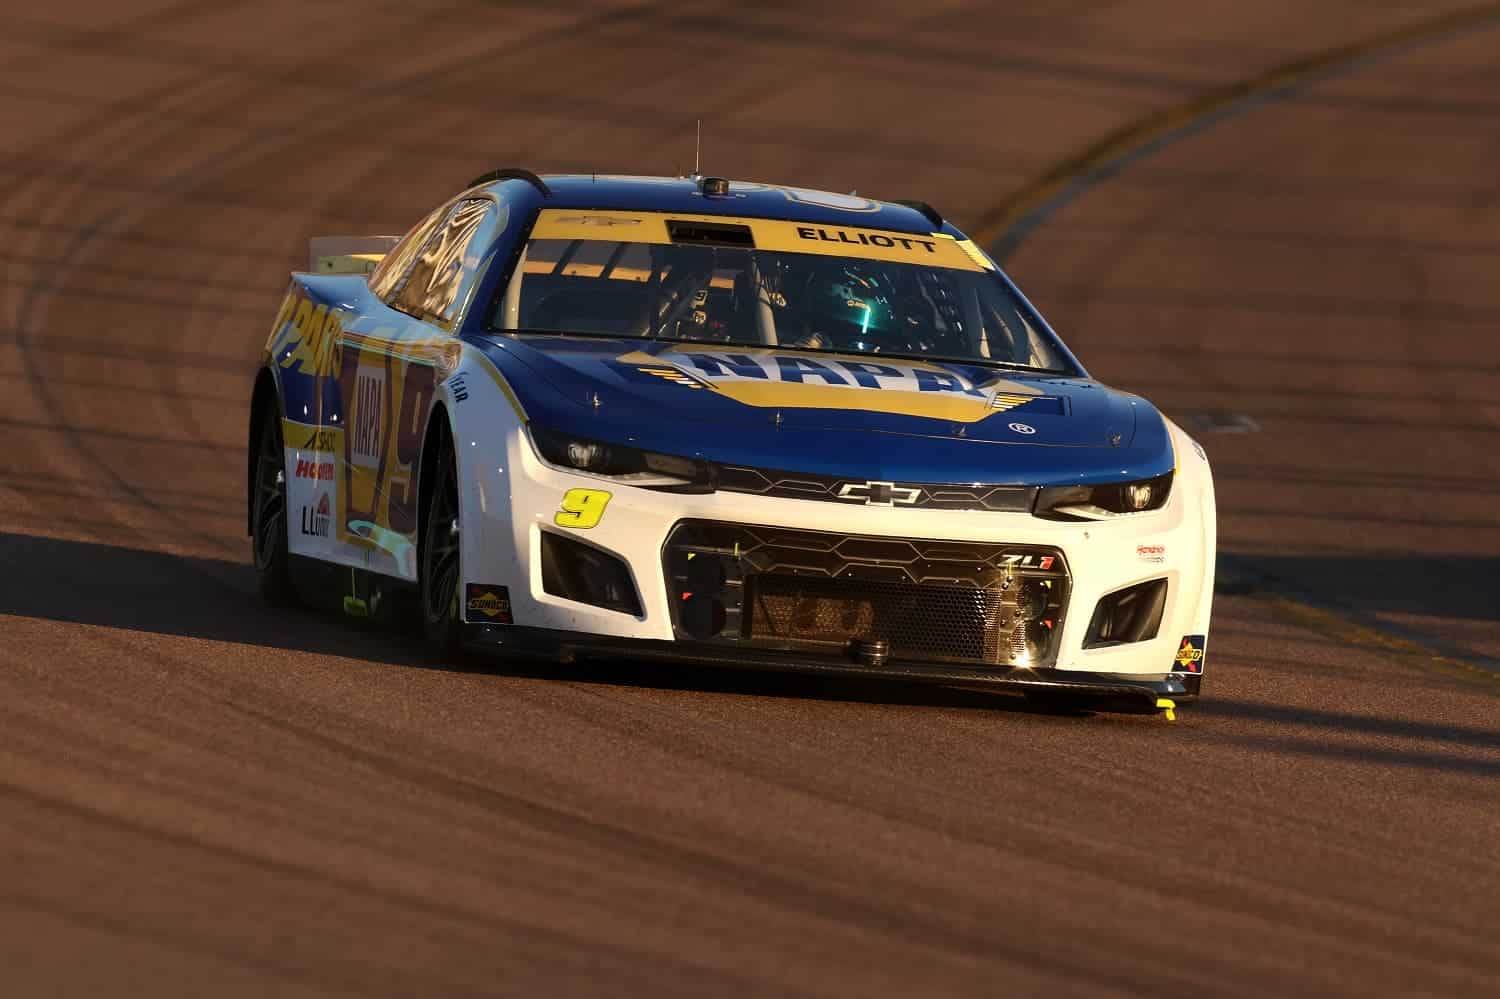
(633, 466)
(1102, 502)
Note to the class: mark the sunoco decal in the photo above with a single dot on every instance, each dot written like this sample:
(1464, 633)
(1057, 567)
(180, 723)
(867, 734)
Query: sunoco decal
(487, 604)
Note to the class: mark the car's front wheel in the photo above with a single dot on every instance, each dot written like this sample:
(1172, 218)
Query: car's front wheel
(268, 525)
(440, 575)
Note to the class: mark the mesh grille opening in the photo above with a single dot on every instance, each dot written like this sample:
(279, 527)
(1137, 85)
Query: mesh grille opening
(946, 623)
(832, 594)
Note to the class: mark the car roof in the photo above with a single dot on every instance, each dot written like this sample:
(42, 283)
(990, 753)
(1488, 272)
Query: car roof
(603, 192)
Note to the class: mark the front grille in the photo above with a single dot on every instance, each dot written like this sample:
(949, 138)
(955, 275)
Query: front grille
(831, 594)
(866, 492)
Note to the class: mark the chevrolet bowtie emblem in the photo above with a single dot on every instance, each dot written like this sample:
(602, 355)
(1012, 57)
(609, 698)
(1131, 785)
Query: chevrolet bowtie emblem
(879, 493)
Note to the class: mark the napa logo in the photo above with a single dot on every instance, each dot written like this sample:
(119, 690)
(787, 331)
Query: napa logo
(770, 379)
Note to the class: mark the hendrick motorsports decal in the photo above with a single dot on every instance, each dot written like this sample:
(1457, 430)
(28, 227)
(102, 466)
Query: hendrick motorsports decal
(770, 380)
(484, 602)
(1190, 654)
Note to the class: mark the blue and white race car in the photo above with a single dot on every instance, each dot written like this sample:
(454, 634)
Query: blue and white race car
(727, 424)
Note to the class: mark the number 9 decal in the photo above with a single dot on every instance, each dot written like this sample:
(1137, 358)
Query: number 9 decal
(581, 508)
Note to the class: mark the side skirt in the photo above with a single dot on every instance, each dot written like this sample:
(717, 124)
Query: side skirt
(355, 593)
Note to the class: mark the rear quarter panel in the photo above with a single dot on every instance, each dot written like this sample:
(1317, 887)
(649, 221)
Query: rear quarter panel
(357, 382)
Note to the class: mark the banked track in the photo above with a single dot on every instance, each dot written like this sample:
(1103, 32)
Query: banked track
(197, 795)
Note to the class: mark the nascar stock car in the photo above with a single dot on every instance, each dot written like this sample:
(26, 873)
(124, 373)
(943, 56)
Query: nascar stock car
(724, 424)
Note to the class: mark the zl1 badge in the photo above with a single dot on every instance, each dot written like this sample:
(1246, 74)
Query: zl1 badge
(487, 604)
(1190, 654)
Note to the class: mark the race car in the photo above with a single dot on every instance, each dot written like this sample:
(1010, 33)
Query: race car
(725, 424)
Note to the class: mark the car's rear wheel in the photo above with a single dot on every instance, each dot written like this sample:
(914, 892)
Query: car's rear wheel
(268, 524)
(440, 569)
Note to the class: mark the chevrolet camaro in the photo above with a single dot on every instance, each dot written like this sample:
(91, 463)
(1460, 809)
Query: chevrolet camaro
(722, 423)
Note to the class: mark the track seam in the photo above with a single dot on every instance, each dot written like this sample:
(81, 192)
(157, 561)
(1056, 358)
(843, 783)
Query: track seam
(1006, 225)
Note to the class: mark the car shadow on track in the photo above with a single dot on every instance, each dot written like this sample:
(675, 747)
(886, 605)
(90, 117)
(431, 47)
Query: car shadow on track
(1285, 716)
(1452, 586)
(108, 586)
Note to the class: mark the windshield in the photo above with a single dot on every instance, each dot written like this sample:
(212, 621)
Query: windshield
(836, 289)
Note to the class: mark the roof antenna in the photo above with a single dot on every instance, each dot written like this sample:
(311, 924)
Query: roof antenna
(698, 149)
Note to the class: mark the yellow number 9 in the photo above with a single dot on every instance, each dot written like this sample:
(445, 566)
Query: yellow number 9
(581, 508)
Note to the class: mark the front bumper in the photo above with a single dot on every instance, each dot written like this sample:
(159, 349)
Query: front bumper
(512, 499)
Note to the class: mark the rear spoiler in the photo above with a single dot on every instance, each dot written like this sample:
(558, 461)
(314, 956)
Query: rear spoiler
(347, 254)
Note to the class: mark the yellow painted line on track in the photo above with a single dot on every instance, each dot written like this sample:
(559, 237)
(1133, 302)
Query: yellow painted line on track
(1029, 205)
(1136, 137)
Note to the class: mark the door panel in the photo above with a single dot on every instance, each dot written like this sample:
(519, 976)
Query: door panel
(387, 371)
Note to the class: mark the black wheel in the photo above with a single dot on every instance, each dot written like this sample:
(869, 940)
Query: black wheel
(268, 524)
(441, 532)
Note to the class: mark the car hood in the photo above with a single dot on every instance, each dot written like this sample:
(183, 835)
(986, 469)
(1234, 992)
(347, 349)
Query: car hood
(819, 413)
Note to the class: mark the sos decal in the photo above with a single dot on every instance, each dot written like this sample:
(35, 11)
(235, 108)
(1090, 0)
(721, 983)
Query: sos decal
(1190, 654)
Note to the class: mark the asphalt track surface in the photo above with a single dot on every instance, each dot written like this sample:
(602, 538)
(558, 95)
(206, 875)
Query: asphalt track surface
(201, 797)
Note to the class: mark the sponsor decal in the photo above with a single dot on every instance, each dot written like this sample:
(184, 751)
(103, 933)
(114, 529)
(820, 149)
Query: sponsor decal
(317, 521)
(1023, 428)
(317, 469)
(879, 493)
(1190, 654)
(1151, 553)
(367, 416)
(459, 388)
(484, 601)
(771, 380)
(306, 336)
(322, 439)
(605, 220)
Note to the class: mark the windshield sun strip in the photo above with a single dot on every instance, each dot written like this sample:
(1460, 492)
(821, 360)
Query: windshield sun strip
(978, 362)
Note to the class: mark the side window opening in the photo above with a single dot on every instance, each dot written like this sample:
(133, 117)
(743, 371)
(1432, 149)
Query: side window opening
(435, 273)
(387, 275)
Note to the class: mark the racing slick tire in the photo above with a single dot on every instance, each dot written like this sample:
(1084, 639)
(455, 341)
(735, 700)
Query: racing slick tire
(268, 512)
(439, 567)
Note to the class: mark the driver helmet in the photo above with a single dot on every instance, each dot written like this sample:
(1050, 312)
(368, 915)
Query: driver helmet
(852, 307)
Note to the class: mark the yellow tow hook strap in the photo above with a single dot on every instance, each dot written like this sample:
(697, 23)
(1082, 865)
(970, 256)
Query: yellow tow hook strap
(353, 606)
(1168, 708)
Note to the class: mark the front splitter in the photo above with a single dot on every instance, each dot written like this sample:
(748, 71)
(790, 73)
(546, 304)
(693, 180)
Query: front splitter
(541, 643)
